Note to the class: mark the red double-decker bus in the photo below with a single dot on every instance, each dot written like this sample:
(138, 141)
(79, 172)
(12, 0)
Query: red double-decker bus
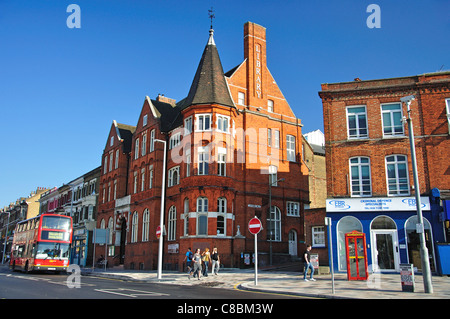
(42, 243)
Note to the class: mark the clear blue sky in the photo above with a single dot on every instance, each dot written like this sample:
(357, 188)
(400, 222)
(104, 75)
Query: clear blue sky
(61, 88)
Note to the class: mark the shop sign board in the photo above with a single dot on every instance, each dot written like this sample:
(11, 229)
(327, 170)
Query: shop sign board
(375, 204)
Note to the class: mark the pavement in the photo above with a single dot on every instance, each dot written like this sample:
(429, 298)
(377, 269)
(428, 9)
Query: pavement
(288, 283)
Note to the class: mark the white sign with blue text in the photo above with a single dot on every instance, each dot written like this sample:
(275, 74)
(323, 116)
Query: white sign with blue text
(374, 204)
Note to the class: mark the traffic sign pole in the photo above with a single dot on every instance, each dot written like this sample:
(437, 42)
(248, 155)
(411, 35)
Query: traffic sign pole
(255, 226)
(256, 259)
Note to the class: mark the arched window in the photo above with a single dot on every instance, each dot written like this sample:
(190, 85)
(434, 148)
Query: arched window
(345, 225)
(172, 223)
(360, 179)
(397, 175)
(145, 225)
(274, 224)
(134, 227)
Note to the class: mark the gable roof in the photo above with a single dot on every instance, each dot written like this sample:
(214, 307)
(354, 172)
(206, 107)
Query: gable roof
(125, 134)
(209, 85)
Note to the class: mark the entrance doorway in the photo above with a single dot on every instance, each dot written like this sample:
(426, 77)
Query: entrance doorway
(413, 241)
(293, 243)
(385, 254)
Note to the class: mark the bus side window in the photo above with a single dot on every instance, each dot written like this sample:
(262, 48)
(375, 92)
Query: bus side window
(20, 251)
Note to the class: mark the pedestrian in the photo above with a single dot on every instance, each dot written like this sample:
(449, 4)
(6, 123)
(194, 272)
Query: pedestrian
(197, 260)
(206, 258)
(188, 260)
(215, 261)
(307, 264)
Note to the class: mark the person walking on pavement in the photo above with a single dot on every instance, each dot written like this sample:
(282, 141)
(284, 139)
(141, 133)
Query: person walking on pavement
(188, 260)
(206, 257)
(197, 260)
(307, 264)
(215, 261)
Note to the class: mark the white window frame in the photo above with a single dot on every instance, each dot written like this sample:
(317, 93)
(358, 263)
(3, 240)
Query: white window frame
(397, 183)
(221, 161)
(274, 219)
(290, 148)
(241, 98)
(135, 181)
(136, 149)
(111, 156)
(152, 140)
(145, 120)
(276, 138)
(293, 209)
(200, 121)
(142, 179)
(116, 163)
(358, 134)
(391, 114)
(150, 182)
(188, 161)
(145, 225)
(273, 175)
(220, 123)
(360, 182)
(318, 236)
(144, 144)
(175, 140)
(188, 125)
(447, 108)
(202, 212)
(203, 161)
(134, 227)
(186, 216)
(174, 179)
(172, 223)
(270, 105)
(222, 213)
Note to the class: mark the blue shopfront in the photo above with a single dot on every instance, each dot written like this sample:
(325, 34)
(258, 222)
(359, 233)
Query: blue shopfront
(80, 244)
(389, 224)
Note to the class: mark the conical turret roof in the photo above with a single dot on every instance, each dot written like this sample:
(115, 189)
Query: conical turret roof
(209, 85)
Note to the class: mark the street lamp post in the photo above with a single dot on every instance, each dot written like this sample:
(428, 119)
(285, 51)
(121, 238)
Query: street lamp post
(270, 214)
(161, 220)
(420, 228)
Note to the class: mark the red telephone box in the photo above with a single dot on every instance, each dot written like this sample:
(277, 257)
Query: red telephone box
(355, 248)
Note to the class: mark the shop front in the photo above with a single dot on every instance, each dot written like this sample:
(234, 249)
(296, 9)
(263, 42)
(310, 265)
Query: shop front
(390, 227)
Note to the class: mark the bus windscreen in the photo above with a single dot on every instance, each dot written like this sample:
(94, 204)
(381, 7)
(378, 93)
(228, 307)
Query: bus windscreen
(55, 222)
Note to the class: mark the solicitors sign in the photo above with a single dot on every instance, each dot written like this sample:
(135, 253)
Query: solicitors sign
(375, 204)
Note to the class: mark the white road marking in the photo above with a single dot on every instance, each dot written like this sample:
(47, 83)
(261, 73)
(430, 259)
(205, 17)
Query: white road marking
(134, 293)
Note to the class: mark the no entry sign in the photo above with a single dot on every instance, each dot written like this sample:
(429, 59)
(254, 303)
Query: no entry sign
(254, 225)
(158, 232)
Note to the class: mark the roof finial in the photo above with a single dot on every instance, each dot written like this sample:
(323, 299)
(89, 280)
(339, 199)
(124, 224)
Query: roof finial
(211, 16)
(211, 31)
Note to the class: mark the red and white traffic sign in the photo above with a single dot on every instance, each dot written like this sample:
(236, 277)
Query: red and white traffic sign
(254, 225)
(158, 232)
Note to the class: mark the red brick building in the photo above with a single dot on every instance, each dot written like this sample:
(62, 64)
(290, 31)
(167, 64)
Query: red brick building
(369, 171)
(227, 141)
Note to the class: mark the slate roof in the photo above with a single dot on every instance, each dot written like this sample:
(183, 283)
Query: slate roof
(209, 85)
(125, 132)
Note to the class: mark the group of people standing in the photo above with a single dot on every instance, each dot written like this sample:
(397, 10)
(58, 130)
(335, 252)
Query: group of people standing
(197, 263)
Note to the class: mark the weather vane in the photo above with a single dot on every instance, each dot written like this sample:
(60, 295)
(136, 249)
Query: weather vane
(211, 15)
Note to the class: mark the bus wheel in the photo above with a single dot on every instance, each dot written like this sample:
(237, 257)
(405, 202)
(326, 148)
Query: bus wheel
(26, 270)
